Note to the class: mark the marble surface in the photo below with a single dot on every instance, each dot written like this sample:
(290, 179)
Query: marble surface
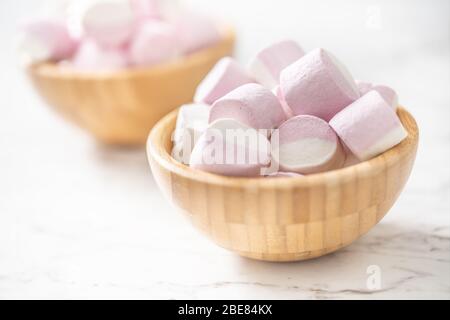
(80, 220)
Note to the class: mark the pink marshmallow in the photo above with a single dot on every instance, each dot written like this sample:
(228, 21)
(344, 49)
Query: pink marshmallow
(266, 66)
(231, 148)
(317, 84)
(225, 76)
(363, 87)
(251, 104)
(306, 144)
(110, 22)
(369, 126)
(91, 57)
(46, 39)
(386, 92)
(287, 111)
(196, 32)
(155, 42)
(350, 158)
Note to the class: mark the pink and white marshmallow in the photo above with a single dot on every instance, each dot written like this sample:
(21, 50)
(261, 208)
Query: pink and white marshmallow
(92, 57)
(251, 104)
(386, 92)
(318, 84)
(266, 66)
(306, 144)
(225, 76)
(46, 39)
(154, 43)
(110, 22)
(192, 121)
(369, 126)
(231, 148)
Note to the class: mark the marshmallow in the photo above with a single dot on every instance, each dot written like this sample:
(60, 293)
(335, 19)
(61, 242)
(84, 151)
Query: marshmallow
(287, 111)
(192, 121)
(281, 174)
(350, 158)
(225, 76)
(388, 94)
(155, 42)
(251, 104)
(46, 39)
(369, 126)
(363, 87)
(306, 144)
(231, 148)
(90, 56)
(146, 9)
(266, 66)
(196, 32)
(110, 22)
(317, 84)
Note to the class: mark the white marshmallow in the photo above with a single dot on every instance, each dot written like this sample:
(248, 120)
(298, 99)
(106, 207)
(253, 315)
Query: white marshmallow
(46, 39)
(266, 66)
(317, 84)
(251, 104)
(225, 76)
(91, 57)
(369, 126)
(231, 148)
(306, 144)
(192, 121)
(281, 174)
(110, 22)
(154, 43)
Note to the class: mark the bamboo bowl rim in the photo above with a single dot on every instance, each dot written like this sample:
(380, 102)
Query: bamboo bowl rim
(53, 70)
(158, 136)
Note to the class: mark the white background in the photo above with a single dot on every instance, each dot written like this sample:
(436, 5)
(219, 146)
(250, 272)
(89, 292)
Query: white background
(80, 220)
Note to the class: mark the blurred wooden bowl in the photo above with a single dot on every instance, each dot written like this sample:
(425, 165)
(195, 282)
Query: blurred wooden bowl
(121, 107)
(284, 219)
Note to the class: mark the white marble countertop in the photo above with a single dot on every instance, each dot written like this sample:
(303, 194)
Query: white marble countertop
(79, 220)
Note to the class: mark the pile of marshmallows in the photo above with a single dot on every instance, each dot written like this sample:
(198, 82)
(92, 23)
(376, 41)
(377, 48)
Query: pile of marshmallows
(114, 34)
(316, 116)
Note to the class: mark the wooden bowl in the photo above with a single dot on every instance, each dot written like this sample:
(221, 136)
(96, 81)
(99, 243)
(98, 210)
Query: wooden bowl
(284, 219)
(121, 107)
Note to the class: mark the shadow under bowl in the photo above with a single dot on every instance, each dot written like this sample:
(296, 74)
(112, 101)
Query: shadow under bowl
(121, 107)
(284, 219)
